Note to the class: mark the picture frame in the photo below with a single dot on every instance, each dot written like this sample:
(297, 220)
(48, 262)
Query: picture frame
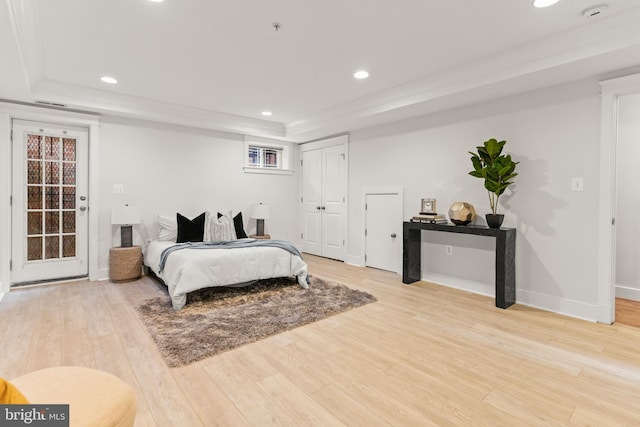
(428, 206)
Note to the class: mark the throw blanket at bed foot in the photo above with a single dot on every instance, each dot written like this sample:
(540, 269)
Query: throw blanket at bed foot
(186, 267)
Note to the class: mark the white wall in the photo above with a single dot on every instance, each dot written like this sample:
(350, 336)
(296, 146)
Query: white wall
(164, 169)
(628, 199)
(167, 169)
(555, 135)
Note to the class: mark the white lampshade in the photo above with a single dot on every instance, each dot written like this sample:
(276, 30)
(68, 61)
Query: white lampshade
(260, 211)
(125, 215)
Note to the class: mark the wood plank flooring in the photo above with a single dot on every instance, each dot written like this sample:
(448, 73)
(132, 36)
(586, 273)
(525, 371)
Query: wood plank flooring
(422, 355)
(628, 312)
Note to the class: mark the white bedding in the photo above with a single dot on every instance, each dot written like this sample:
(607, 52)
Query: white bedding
(188, 270)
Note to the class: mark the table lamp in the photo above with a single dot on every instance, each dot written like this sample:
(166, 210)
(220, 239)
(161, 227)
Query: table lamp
(260, 212)
(125, 216)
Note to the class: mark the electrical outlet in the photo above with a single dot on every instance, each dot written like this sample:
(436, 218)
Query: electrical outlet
(118, 188)
(448, 249)
(577, 184)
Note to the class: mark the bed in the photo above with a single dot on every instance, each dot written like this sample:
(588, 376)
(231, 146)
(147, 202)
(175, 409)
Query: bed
(186, 267)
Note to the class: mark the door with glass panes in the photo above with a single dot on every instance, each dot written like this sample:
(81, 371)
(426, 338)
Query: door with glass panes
(49, 206)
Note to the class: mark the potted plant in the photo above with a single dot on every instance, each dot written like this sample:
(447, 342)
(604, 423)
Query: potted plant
(497, 170)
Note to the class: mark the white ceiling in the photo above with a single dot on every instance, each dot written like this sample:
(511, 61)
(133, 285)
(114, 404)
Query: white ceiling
(218, 64)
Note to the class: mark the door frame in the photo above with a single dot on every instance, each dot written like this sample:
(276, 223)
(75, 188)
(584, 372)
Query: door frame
(611, 91)
(59, 268)
(10, 111)
(326, 143)
(391, 190)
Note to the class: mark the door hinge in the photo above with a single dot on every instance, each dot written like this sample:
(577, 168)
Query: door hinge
(11, 137)
(365, 231)
(301, 236)
(301, 199)
(343, 243)
(366, 206)
(365, 257)
(613, 221)
(343, 200)
(300, 163)
(10, 200)
(10, 265)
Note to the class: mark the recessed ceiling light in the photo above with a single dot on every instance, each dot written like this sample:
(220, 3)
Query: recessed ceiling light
(544, 3)
(266, 113)
(361, 74)
(156, 1)
(109, 80)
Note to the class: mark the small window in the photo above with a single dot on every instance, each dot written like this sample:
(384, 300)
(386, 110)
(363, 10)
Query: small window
(267, 156)
(264, 157)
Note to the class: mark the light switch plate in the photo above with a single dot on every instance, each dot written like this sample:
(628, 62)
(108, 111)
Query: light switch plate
(577, 184)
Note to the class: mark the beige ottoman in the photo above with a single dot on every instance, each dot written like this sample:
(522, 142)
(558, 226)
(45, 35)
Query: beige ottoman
(95, 398)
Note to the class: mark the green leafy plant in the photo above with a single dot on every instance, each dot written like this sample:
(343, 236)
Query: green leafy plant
(496, 169)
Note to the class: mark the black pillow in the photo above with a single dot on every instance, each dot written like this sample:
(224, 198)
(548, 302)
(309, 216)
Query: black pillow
(190, 230)
(238, 224)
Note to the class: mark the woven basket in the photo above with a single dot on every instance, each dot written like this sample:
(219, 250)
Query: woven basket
(125, 263)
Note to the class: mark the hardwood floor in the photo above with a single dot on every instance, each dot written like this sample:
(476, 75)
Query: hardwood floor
(627, 312)
(422, 355)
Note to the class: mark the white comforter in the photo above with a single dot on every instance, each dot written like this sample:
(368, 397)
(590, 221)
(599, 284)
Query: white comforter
(188, 270)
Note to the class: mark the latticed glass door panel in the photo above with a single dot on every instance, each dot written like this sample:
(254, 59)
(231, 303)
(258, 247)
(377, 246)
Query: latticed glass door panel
(51, 197)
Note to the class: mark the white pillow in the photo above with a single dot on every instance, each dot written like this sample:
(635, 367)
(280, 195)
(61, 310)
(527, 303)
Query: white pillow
(168, 228)
(206, 237)
(220, 229)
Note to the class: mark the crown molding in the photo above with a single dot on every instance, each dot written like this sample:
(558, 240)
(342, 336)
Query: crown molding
(24, 24)
(618, 31)
(470, 82)
(119, 105)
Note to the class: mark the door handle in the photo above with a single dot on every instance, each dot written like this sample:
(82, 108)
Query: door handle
(393, 235)
(83, 198)
(83, 208)
(323, 207)
(318, 207)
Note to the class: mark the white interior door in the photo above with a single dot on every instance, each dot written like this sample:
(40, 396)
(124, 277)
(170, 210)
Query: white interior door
(312, 202)
(383, 231)
(49, 215)
(333, 201)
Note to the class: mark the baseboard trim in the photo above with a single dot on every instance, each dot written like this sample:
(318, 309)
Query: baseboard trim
(358, 261)
(103, 274)
(473, 286)
(550, 303)
(626, 292)
(567, 307)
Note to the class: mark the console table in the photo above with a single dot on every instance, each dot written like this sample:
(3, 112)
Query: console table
(505, 255)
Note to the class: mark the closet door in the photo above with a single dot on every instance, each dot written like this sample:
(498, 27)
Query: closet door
(323, 201)
(312, 202)
(333, 201)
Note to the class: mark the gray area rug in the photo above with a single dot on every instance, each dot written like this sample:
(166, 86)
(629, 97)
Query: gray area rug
(220, 319)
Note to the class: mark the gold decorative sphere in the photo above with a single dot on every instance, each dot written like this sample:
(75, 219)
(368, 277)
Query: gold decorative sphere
(462, 213)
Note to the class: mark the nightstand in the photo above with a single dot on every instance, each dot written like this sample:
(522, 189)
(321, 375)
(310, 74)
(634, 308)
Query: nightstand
(255, 236)
(125, 263)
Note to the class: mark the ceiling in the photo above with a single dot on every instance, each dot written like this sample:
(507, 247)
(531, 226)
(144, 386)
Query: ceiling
(217, 64)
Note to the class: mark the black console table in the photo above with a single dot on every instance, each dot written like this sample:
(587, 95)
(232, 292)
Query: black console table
(505, 255)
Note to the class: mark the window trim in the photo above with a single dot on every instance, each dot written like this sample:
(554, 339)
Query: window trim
(285, 160)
